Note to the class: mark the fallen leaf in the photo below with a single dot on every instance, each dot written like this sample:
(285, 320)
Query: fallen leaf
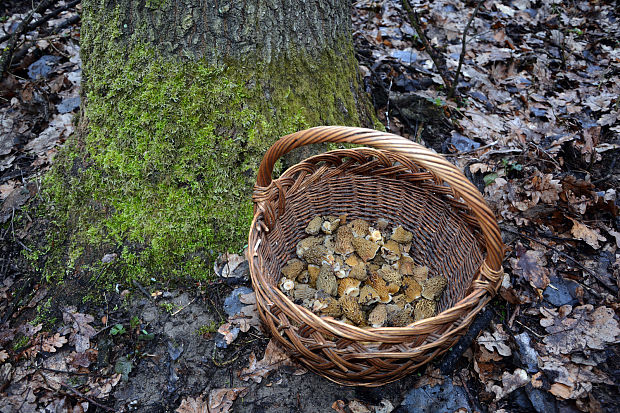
(584, 328)
(510, 382)
(495, 341)
(221, 400)
(357, 407)
(191, 405)
(532, 267)
(274, 358)
(3, 356)
(339, 406)
(82, 330)
(52, 343)
(589, 235)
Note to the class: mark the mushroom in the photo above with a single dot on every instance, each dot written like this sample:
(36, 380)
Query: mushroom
(425, 309)
(344, 238)
(378, 316)
(305, 244)
(303, 292)
(314, 226)
(413, 290)
(349, 286)
(359, 227)
(351, 309)
(401, 235)
(316, 254)
(366, 249)
(368, 295)
(313, 274)
(326, 280)
(330, 225)
(391, 251)
(380, 286)
(293, 268)
(420, 273)
(433, 287)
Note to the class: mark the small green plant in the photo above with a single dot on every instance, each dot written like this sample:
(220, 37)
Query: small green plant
(208, 328)
(169, 307)
(490, 178)
(577, 31)
(511, 166)
(439, 102)
(134, 322)
(145, 335)
(117, 329)
(20, 343)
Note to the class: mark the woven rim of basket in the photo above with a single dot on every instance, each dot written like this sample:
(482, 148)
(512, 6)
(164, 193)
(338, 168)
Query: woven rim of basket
(445, 325)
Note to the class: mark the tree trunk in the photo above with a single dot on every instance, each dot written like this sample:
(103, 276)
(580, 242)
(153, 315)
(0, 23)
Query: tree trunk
(181, 100)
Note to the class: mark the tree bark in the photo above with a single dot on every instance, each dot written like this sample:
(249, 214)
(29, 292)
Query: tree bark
(181, 100)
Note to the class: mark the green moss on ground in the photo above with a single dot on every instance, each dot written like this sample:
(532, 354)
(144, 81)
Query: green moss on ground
(162, 171)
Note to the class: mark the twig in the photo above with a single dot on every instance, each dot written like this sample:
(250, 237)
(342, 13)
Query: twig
(472, 150)
(85, 397)
(462, 56)
(182, 308)
(415, 22)
(21, 29)
(589, 271)
(45, 18)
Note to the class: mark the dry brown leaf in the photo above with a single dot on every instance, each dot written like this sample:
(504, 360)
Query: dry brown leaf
(3, 356)
(82, 330)
(221, 400)
(191, 405)
(584, 328)
(510, 382)
(274, 358)
(357, 407)
(531, 266)
(51, 343)
(573, 380)
(589, 235)
(339, 406)
(495, 341)
(100, 388)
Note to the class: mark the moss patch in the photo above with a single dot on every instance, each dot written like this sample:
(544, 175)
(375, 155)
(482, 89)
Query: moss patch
(162, 172)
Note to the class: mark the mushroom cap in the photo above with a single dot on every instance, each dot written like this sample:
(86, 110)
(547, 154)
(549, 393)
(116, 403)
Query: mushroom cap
(433, 287)
(378, 316)
(303, 292)
(326, 280)
(314, 226)
(405, 265)
(391, 251)
(344, 239)
(306, 243)
(366, 249)
(425, 309)
(401, 235)
(313, 274)
(286, 285)
(351, 309)
(420, 273)
(368, 295)
(374, 235)
(293, 268)
(359, 272)
(329, 226)
(349, 286)
(401, 318)
(359, 227)
(380, 286)
(390, 275)
(413, 290)
(316, 254)
(332, 308)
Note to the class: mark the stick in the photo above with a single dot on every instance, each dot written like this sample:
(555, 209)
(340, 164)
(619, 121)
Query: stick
(415, 22)
(85, 397)
(462, 56)
(21, 29)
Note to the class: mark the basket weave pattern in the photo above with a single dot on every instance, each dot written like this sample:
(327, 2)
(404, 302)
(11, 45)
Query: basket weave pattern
(455, 235)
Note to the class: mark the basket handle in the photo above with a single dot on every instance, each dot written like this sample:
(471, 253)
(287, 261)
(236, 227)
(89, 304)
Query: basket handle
(418, 154)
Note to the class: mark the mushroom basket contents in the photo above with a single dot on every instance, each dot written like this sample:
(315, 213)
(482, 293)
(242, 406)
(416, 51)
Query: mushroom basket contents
(361, 273)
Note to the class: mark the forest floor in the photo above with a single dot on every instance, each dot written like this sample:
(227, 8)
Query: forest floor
(535, 126)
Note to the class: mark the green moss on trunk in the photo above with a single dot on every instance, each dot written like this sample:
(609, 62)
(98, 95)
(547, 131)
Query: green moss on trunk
(162, 171)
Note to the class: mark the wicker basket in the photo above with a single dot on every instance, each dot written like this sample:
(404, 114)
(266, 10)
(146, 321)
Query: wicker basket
(455, 235)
